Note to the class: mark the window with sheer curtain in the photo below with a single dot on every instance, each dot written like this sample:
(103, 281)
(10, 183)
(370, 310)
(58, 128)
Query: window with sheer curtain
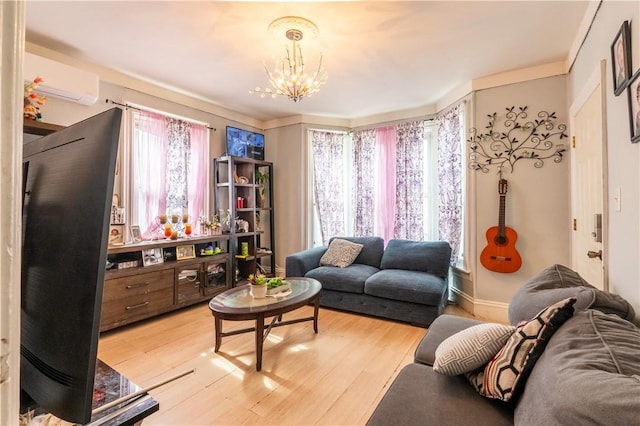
(168, 169)
(380, 181)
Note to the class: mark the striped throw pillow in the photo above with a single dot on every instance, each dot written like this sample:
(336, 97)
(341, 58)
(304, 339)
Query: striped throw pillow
(471, 348)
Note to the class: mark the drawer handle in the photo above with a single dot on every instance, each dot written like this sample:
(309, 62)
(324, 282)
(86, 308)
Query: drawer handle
(141, 305)
(146, 283)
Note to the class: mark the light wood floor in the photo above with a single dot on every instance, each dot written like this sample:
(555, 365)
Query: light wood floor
(336, 377)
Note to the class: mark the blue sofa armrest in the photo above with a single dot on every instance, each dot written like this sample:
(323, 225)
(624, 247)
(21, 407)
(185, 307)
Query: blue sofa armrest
(298, 264)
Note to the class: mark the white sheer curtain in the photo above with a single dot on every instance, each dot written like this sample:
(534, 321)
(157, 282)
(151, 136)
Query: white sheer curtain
(364, 182)
(328, 175)
(450, 176)
(409, 181)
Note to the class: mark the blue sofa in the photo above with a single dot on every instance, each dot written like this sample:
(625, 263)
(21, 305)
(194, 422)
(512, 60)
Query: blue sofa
(406, 281)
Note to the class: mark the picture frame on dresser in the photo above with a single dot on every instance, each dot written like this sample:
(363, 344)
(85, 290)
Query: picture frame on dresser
(136, 235)
(116, 235)
(185, 252)
(621, 58)
(152, 256)
(633, 93)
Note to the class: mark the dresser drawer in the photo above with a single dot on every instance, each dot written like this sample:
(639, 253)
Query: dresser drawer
(136, 297)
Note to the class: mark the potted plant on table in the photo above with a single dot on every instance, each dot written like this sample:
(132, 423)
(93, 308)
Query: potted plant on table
(258, 285)
(277, 285)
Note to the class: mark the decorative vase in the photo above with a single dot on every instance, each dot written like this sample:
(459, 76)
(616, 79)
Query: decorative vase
(258, 291)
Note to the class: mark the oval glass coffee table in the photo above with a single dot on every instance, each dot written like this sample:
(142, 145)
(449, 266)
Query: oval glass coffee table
(237, 304)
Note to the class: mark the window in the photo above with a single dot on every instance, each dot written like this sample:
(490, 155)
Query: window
(381, 182)
(168, 169)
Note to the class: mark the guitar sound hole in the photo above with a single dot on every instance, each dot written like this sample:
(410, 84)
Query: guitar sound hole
(500, 241)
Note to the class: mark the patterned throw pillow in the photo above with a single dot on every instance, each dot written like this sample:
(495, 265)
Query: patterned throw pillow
(505, 375)
(471, 348)
(341, 253)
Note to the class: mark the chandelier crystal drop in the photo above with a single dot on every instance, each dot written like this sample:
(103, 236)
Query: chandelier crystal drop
(289, 77)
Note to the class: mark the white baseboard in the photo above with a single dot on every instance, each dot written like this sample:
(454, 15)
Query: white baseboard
(482, 309)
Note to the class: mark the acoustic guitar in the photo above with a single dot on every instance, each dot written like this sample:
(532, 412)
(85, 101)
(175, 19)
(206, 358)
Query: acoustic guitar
(500, 254)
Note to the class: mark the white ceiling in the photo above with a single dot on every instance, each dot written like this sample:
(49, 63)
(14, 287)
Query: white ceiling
(381, 56)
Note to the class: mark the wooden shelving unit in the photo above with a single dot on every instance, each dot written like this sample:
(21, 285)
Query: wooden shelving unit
(234, 178)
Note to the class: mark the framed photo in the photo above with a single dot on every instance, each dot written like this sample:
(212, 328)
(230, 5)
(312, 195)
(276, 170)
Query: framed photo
(185, 252)
(633, 91)
(116, 235)
(136, 235)
(152, 256)
(621, 59)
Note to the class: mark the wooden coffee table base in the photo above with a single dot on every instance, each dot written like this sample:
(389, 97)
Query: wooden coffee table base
(236, 304)
(260, 332)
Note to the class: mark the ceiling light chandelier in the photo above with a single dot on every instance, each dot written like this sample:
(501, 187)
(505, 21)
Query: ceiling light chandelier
(289, 77)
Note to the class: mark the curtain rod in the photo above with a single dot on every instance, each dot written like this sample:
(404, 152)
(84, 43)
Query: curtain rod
(146, 110)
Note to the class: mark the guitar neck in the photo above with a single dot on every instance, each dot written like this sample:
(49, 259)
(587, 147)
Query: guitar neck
(501, 225)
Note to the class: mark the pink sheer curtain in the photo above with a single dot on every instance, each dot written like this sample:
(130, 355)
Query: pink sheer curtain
(198, 173)
(149, 175)
(385, 186)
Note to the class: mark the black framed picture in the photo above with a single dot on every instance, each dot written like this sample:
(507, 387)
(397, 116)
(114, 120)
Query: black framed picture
(633, 91)
(621, 58)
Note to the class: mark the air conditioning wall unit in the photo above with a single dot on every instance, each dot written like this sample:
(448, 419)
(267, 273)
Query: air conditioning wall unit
(60, 80)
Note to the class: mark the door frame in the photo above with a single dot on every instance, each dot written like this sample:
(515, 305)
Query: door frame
(597, 79)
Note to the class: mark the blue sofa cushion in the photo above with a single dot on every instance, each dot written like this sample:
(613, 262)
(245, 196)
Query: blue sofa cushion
(407, 286)
(372, 248)
(350, 279)
(425, 256)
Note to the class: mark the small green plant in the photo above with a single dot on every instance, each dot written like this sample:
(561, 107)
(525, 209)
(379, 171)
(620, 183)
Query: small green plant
(276, 282)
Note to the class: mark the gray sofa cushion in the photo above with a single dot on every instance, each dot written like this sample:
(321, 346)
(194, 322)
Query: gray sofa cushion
(589, 374)
(350, 279)
(556, 283)
(408, 286)
(425, 256)
(371, 252)
(420, 396)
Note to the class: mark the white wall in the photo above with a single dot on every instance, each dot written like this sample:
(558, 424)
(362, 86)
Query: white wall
(537, 201)
(623, 157)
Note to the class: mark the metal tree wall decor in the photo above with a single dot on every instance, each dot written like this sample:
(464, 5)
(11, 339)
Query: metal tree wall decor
(520, 139)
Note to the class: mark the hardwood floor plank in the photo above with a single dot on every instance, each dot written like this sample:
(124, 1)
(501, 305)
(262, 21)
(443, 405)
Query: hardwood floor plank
(335, 377)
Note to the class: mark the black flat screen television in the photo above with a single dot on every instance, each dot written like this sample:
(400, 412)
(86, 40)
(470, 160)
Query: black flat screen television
(243, 143)
(68, 187)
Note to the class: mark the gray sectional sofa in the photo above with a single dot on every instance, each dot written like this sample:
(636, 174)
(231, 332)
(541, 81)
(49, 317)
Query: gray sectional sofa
(588, 373)
(406, 281)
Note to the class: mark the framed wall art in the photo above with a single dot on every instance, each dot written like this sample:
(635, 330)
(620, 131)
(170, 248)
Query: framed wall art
(621, 59)
(633, 91)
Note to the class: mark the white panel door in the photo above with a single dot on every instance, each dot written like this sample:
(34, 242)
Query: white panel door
(587, 183)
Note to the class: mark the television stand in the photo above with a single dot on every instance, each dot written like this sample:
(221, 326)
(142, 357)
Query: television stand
(109, 386)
